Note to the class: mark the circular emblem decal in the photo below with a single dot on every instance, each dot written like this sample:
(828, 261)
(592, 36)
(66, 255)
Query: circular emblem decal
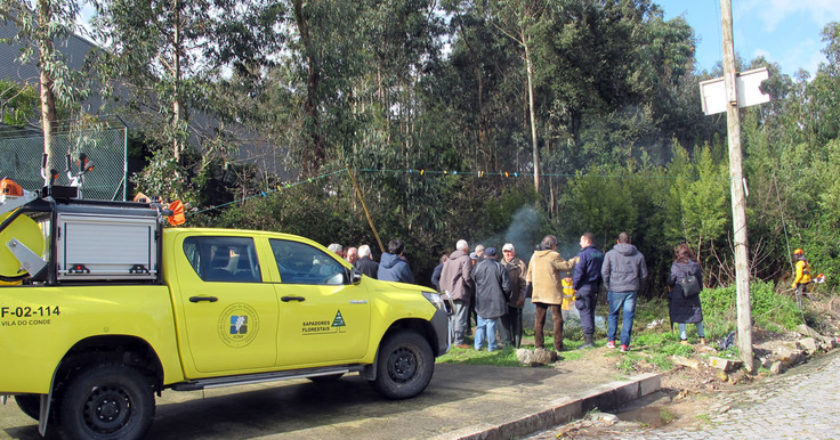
(238, 325)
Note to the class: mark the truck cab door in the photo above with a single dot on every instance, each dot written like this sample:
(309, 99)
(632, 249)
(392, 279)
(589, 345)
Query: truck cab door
(324, 317)
(228, 315)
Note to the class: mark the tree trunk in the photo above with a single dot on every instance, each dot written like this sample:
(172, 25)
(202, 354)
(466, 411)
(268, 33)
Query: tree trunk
(45, 57)
(530, 74)
(176, 75)
(314, 147)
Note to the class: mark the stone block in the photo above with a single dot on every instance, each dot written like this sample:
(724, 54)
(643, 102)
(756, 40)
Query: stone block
(627, 393)
(777, 368)
(650, 384)
(789, 357)
(765, 362)
(804, 330)
(726, 365)
(809, 345)
(686, 362)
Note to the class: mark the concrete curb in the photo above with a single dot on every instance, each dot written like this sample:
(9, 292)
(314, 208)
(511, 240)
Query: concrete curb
(560, 411)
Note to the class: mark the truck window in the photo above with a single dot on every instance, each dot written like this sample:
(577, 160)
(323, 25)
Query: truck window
(223, 259)
(300, 263)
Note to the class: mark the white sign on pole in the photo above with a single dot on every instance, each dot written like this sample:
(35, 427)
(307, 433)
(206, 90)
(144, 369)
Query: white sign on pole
(713, 91)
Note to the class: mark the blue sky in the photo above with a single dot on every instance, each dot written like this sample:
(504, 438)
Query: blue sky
(787, 32)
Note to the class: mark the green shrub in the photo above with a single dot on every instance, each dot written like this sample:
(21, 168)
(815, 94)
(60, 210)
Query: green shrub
(770, 310)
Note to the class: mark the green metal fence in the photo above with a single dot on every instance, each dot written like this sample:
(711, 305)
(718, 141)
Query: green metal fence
(20, 160)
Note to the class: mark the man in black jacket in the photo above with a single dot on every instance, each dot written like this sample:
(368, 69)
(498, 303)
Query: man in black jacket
(365, 263)
(623, 272)
(492, 290)
(587, 281)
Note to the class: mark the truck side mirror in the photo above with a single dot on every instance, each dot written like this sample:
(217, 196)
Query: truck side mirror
(355, 276)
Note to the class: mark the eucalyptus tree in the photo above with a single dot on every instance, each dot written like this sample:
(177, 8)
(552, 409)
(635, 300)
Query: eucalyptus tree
(41, 23)
(517, 20)
(165, 58)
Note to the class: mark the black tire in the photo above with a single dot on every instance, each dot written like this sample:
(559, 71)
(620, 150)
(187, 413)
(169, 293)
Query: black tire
(405, 365)
(326, 378)
(30, 404)
(106, 401)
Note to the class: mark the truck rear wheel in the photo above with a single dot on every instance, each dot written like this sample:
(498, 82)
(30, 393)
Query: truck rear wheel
(30, 404)
(405, 365)
(106, 401)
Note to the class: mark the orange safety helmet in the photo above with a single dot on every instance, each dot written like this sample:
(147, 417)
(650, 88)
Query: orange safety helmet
(9, 187)
(798, 252)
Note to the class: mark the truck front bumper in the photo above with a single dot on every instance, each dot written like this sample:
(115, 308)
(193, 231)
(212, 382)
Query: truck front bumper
(443, 331)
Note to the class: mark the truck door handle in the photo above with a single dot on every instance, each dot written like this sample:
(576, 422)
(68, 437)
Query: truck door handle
(292, 298)
(195, 299)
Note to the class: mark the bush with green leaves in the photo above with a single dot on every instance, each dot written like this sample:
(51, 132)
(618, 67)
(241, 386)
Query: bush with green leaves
(770, 310)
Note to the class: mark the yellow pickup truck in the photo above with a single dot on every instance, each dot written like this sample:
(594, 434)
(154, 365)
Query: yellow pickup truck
(102, 308)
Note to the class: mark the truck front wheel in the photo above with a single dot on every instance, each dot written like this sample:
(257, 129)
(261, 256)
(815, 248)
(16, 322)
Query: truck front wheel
(405, 365)
(106, 401)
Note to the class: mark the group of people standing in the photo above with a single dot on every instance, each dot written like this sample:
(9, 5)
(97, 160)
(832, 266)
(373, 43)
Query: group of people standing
(496, 290)
(393, 266)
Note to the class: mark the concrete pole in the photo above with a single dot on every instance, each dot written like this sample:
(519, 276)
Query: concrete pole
(739, 200)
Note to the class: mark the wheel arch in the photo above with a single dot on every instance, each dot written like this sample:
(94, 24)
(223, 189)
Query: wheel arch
(423, 327)
(125, 349)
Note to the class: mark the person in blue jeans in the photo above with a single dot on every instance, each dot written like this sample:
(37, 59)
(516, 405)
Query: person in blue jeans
(492, 293)
(624, 273)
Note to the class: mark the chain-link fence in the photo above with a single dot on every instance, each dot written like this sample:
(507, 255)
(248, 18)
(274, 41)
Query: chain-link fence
(20, 160)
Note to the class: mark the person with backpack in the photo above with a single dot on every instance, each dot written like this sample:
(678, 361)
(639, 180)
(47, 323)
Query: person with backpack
(685, 282)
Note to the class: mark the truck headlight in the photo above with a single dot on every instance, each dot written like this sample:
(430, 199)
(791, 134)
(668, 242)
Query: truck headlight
(437, 300)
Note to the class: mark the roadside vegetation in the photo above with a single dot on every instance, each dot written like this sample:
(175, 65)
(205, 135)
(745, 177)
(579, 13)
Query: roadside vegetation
(773, 313)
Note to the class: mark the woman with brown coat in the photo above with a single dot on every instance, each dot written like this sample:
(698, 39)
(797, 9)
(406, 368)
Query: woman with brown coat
(545, 274)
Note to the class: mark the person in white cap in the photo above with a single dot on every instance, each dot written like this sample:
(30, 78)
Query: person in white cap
(511, 329)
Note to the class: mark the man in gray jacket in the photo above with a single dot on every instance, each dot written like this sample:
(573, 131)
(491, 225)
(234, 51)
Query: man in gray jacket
(624, 273)
(456, 281)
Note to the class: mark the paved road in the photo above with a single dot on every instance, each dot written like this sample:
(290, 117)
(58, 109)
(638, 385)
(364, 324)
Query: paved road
(461, 400)
(803, 403)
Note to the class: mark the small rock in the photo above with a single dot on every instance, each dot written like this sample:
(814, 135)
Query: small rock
(737, 377)
(605, 418)
(724, 409)
(544, 357)
(722, 376)
(525, 357)
(776, 368)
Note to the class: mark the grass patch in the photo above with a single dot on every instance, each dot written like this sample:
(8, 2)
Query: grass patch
(770, 310)
(505, 357)
(628, 362)
(705, 418)
(667, 416)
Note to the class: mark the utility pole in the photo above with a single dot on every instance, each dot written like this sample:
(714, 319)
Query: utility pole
(739, 201)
